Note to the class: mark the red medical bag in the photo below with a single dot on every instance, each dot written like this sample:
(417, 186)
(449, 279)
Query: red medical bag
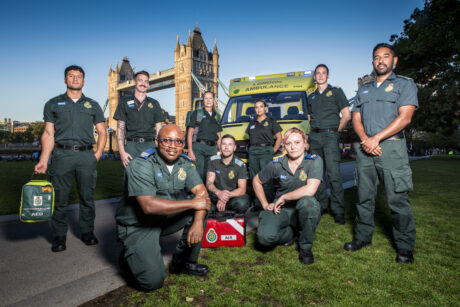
(224, 229)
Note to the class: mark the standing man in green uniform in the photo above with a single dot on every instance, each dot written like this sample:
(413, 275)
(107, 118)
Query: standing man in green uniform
(69, 123)
(227, 178)
(138, 119)
(208, 137)
(298, 176)
(160, 181)
(383, 108)
(324, 106)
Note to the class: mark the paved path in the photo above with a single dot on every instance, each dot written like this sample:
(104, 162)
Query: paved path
(32, 275)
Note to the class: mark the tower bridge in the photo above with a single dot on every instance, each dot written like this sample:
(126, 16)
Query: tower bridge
(192, 57)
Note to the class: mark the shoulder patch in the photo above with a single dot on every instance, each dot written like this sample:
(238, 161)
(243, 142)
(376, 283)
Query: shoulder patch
(310, 157)
(215, 157)
(239, 162)
(186, 157)
(277, 159)
(147, 153)
(404, 77)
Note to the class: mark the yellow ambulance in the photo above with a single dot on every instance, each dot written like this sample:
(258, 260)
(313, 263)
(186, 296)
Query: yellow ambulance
(286, 98)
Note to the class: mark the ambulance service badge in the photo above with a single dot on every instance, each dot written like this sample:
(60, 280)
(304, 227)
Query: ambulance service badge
(231, 175)
(181, 174)
(329, 94)
(302, 175)
(150, 105)
(87, 105)
(389, 88)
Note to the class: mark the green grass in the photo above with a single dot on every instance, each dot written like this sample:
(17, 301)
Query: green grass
(370, 277)
(13, 175)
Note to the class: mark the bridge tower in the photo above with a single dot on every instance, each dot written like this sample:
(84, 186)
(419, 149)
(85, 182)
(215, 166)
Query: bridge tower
(205, 65)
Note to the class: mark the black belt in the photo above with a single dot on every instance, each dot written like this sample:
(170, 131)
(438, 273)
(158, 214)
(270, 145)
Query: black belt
(140, 140)
(209, 143)
(75, 147)
(325, 130)
(397, 136)
(262, 145)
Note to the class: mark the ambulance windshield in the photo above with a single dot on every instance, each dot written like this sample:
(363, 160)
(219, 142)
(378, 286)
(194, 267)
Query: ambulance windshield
(281, 106)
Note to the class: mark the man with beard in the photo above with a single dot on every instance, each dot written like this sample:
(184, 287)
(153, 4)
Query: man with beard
(325, 105)
(69, 123)
(160, 181)
(383, 108)
(226, 179)
(138, 119)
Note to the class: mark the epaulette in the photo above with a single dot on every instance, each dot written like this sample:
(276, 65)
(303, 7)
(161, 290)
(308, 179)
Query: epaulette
(147, 153)
(238, 162)
(215, 157)
(186, 157)
(310, 157)
(404, 77)
(277, 159)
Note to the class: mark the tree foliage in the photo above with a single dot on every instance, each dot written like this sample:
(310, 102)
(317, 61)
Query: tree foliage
(428, 51)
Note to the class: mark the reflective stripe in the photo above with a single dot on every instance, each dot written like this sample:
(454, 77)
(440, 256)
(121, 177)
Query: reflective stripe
(236, 225)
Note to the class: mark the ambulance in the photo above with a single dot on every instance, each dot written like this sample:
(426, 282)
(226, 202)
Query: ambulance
(286, 98)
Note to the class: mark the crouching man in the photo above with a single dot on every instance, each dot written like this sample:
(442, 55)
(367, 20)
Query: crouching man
(159, 182)
(226, 179)
(298, 176)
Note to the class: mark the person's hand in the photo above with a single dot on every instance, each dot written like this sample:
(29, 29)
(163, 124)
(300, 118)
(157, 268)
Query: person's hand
(371, 146)
(41, 167)
(221, 205)
(195, 233)
(125, 158)
(278, 204)
(201, 203)
(268, 207)
(223, 195)
(191, 155)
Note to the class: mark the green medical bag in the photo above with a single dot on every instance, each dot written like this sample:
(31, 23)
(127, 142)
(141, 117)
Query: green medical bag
(37, 201)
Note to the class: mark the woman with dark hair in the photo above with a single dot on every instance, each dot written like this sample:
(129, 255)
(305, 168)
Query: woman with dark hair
(262, 134)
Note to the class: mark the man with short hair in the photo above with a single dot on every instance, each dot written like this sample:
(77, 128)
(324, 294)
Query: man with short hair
(161, 181)
(383, 108)
(226, 179)
(325, 105)
(69, 133)
(138, 119)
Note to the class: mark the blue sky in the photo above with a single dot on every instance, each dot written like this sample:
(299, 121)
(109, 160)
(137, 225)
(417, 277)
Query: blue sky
(40, 38)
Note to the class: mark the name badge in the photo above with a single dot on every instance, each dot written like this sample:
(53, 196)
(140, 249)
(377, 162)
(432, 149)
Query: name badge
(160, 174)
(217, 171)
(365, 92)
(283, 177)
(252, 127)
(63, 103)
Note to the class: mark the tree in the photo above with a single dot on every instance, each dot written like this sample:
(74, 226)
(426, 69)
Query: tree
(37, 130)
(428, 51)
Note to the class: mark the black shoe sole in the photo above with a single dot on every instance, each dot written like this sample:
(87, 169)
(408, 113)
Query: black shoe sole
(58, 249)
(365, 244)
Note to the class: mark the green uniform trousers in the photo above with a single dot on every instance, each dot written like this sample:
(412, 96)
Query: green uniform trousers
(142, 250)
(238, 204)
(259, 157)
(203, 154)
(67, 165)
(279, 228)
(326, 145)
(392, 167)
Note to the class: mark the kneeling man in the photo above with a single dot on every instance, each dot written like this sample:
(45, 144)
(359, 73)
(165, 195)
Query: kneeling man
(160, 182)
(298, 176)
(226, 179)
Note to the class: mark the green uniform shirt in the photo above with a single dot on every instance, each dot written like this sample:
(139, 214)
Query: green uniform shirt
(324, 108)
(148, 175)
(263, 132)
(279, 172)
(208, 128)
(379, 105)
(227, 175)
(140, 118)
(73, 121)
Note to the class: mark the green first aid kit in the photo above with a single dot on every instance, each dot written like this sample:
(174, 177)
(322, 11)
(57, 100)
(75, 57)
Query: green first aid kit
(37, 201)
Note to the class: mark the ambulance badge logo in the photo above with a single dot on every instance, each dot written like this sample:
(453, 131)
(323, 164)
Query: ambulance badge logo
(389, 88)
(87, 105)
(150, 105)
(329, 94)
(265, 124)
(302, 175)
(211, 236)
(46, 189)
(181, 174)
(231, 175)
(38, 201)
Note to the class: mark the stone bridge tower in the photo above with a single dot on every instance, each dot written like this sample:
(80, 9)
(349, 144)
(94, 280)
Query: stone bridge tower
(205, 66)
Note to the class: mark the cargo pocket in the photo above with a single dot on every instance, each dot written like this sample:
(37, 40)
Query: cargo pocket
(402, 179)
